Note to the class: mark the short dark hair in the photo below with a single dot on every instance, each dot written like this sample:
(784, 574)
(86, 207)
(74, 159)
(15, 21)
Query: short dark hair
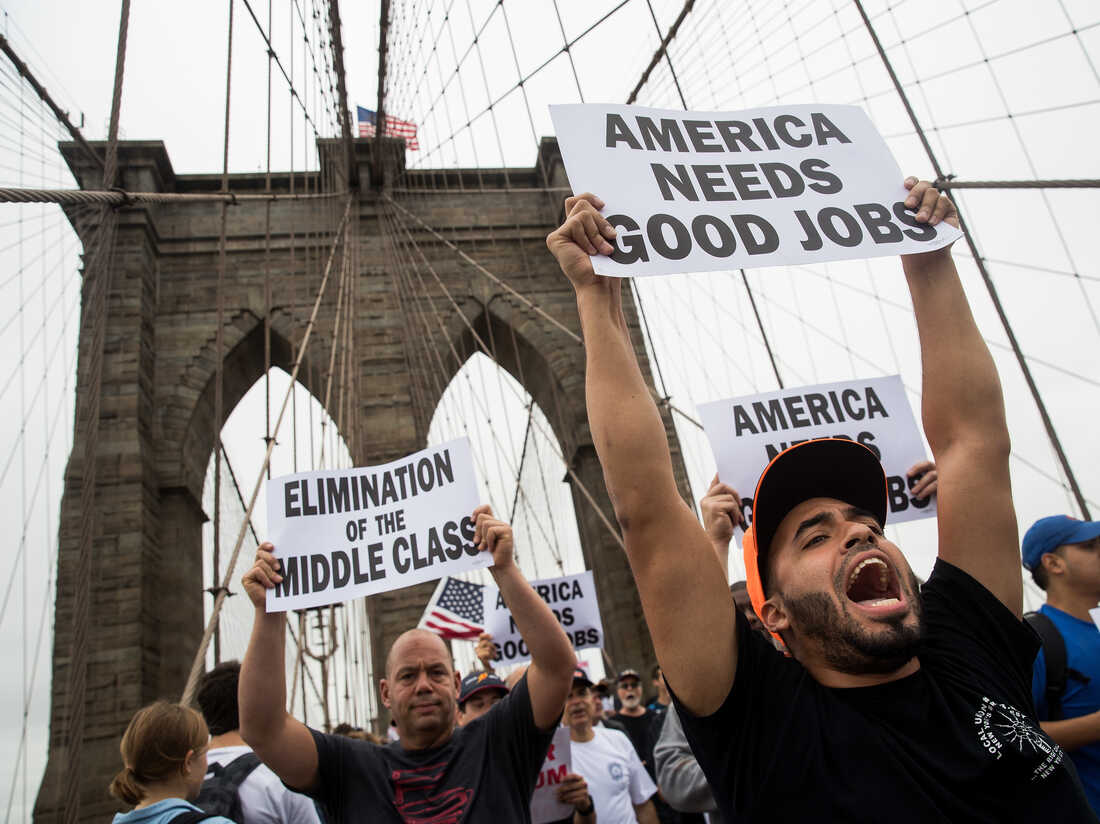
(217, 697)
(1040, 577)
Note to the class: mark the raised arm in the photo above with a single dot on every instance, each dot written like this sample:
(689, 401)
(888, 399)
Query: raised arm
(552, 657)
(281, 741)
(964, 417)
(682, 587)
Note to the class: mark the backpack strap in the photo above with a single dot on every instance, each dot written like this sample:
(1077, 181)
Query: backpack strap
(1054, 650)
(237, 770)
(191, 817)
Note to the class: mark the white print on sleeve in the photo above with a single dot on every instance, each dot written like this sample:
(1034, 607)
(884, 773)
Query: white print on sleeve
(1002, 726)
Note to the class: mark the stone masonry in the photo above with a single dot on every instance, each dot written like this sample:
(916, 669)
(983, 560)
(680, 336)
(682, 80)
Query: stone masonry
(157, 426)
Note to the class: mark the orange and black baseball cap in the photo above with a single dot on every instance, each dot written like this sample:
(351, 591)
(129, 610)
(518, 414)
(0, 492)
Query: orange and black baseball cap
(821, 468)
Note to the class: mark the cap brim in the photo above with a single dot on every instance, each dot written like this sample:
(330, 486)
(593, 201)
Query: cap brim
(826, 468)
(462, 699)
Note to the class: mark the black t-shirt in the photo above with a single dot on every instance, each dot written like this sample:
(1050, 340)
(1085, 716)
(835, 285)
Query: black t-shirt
(484, 774)
(955, 741)
(639, 728)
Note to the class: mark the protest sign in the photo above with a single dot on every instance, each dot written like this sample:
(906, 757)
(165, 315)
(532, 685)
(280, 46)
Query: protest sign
(345, 533)
(545, 806)
(699, 191)
(1094, 613)
(746, 433)
(573, 600)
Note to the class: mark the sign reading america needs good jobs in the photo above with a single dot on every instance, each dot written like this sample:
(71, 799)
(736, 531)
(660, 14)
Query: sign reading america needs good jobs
(746, 433)
(699, 191)
(345, 533)
(573, 601)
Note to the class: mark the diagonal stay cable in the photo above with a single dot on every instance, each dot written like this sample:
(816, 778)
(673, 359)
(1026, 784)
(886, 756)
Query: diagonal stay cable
(200, 655)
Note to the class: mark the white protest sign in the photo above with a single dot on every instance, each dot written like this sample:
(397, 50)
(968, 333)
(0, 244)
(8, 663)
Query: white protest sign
(1094, 613)
(545, 806)
(346, 533)
(699, 191)
(573, 600)
(746, 433)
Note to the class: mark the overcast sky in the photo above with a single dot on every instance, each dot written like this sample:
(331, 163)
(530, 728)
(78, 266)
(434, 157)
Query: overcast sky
(965, 73)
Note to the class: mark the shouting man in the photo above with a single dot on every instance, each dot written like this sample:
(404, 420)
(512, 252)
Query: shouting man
(484, 771)
(896, 704)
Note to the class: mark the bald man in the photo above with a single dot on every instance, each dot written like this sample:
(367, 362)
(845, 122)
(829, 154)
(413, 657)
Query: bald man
(484, 771)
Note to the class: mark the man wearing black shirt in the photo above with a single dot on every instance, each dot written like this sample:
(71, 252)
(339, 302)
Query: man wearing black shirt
(436, 773)
(896, 704)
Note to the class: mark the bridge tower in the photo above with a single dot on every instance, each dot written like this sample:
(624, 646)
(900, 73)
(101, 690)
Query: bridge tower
(157, 417)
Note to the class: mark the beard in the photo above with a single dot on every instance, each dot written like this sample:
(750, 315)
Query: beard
(849, 647)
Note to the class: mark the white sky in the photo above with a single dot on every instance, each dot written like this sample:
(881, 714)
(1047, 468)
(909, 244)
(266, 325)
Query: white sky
(965, 73)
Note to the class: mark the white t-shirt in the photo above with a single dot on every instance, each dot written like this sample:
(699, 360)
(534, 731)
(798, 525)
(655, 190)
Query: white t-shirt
(615, 775)
(264, 798)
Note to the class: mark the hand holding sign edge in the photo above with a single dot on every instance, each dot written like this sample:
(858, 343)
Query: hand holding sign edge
(263, 575)
(585, 232)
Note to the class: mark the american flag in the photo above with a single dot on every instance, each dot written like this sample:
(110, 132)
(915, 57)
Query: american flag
(394, 128)
(456, 609)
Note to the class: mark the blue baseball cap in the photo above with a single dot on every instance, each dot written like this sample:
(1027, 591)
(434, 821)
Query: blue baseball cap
(1047, 534)
(476, 682)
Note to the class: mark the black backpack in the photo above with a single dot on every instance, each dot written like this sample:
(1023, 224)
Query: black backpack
(1054, 651)
(219, 794)
(191, 817)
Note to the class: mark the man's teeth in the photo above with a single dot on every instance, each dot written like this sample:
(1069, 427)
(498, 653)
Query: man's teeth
(883, 573)
(883, 602)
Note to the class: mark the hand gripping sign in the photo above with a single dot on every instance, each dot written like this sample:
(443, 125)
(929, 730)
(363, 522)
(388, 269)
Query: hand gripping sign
(545, 806)
(747, 432)
(700, 191)
(573, 600)
(345, 533)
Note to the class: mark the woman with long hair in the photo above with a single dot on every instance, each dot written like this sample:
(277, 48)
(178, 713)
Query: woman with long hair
(164, 762)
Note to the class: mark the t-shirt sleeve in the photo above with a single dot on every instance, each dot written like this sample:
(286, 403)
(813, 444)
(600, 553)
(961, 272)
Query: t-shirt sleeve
(968, 630)
(738, 745)
(521, 745)
(641, 785)
(331, 758)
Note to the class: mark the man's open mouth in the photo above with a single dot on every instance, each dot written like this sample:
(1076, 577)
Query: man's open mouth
(873, 585)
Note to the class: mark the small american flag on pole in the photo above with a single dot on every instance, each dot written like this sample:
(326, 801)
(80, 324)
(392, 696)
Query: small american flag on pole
(394, 128)
(456, 609)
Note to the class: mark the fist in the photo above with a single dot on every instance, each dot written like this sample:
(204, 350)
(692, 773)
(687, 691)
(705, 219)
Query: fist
(485, 650)
(493, 536)
(585, 232)
(721, 508)
(263, 575)
(573, 789)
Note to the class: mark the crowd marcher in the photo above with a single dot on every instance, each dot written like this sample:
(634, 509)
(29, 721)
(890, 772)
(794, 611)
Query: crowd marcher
(599, 717)
(1063, 556)
(237, 785)
(477, 694)
(893, 704)
(634, 717)
(163, 765)
(482, 772)
(619, 785)
(661, 699)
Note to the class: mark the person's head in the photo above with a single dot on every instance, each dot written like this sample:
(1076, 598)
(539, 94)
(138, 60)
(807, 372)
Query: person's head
(1063, 555)
(579, 706)
(821, 574)
(515, 676)
(658, 682)
(477, 695)
(421, 688)
(630, 689)
(739, 591)
(216, 696)
(163, 746)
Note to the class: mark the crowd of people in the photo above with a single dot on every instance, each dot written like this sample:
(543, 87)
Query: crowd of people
(829, 685)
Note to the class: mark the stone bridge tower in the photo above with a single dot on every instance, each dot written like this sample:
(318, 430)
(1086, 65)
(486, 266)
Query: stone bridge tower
(157, 426)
